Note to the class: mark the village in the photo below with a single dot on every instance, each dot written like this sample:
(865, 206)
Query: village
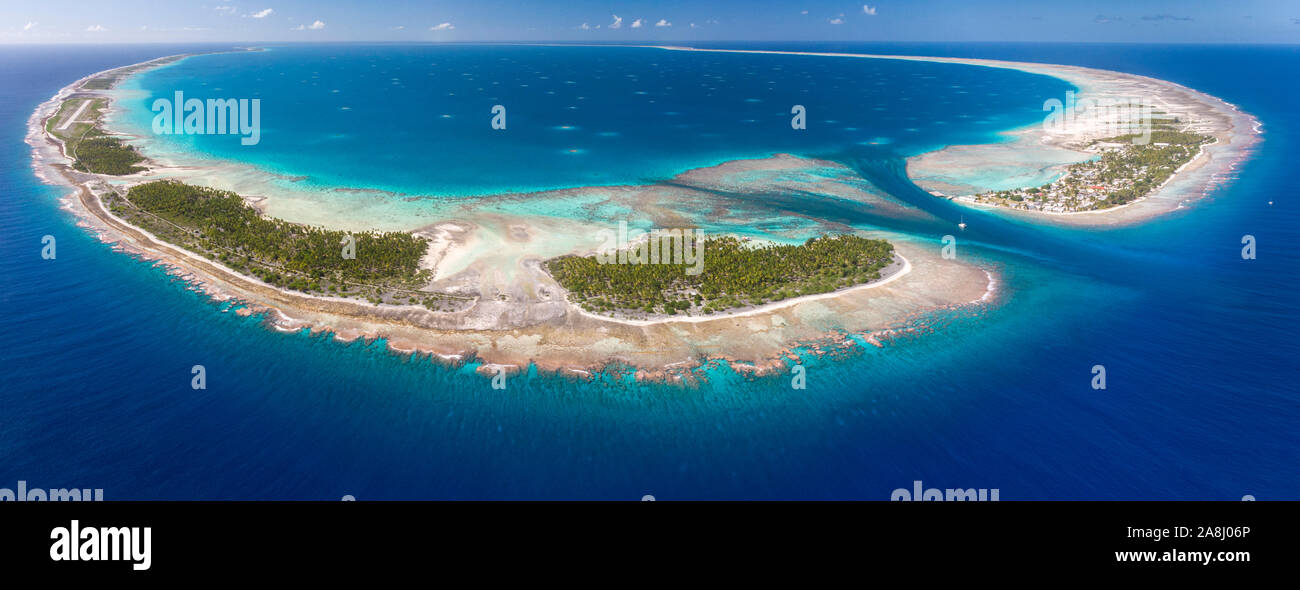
(1122, 171)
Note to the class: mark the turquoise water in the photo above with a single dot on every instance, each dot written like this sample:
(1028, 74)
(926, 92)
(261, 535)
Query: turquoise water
(1199, 344)
(574, 116)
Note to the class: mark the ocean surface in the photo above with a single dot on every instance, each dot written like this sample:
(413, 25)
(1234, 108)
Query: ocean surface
(1202, 399)
(575, 116)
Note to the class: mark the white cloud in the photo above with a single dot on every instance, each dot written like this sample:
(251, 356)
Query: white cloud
(398, 27)
(96, 29)
(804, 12)
(29, 25)
(837, 21)
(618, 22)
(636, 24)
(262, 13)
(692, 25)
(868, 10)
(585, 27)
(663, 23)
(316, 26)
(226, 9)
(442, 27)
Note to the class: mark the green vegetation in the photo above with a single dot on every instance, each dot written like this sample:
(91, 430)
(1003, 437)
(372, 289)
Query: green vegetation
(1138, 170)
(1119, 176)
(384, 267)
(100, 83)
(735, 274)
(1159, 135)
(92, 150)
(102, 154)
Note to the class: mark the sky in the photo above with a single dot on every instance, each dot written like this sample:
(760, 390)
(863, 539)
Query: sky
(632, 21)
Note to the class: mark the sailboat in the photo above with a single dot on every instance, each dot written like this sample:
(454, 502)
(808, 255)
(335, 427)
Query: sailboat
(962, 225)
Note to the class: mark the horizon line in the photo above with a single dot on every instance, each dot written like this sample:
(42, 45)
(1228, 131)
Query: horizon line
(633, 43)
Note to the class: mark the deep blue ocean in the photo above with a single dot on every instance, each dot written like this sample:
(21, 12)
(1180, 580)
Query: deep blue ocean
(1200, 345)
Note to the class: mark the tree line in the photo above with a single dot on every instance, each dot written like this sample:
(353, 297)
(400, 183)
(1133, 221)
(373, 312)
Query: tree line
(735, 274)
(222, 221)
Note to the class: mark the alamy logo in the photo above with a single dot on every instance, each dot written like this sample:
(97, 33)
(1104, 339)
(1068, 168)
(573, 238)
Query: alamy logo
(216, 116)
(24, 494)
(1107, 116)
(74, 543)
(658, 246)
(918, 494)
